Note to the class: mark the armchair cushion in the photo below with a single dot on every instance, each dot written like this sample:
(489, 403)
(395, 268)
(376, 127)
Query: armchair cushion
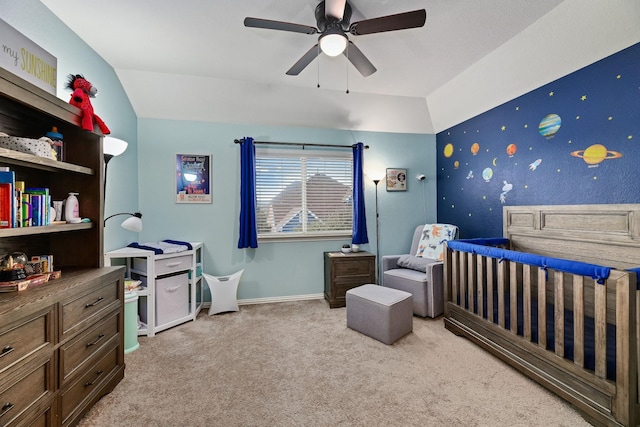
(414, 263)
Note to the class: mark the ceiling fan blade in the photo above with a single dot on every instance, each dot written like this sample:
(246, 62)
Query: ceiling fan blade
(400, 21)
(304, 61)
(278, 25)
(357, 58)
(334, 8)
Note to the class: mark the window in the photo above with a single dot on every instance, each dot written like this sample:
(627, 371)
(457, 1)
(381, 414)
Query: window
(303, 193)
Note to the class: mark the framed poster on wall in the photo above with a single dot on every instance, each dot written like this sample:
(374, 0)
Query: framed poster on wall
(396, 180)
(193, 178)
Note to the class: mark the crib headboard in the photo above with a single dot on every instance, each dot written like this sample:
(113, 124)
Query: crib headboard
(598, 234)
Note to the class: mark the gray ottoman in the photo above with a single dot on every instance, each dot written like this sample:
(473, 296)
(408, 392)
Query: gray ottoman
(382, 313)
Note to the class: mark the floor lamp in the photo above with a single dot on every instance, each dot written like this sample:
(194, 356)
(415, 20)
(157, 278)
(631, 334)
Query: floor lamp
(376, 182)
(112, 147)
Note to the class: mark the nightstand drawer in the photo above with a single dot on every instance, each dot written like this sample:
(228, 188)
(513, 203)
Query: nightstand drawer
(82, 308)
(25, 337)
(74, 353)
(352, 267)
(166, 265)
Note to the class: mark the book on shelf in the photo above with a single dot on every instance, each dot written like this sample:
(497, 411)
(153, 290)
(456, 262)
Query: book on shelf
(7, 200)
(27, 211)
(40, 200)
(19, 190)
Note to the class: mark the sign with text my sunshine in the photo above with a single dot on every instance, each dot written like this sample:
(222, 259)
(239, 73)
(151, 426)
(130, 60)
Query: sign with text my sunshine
(27, 60)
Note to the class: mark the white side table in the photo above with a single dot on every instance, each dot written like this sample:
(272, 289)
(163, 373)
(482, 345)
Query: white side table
(160, 273)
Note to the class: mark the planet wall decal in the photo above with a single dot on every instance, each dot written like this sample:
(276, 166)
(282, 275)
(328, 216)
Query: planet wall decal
(511, 149)
(475, 147)
(595, 154)
(448, 150)
(549, 125)
(487, 174)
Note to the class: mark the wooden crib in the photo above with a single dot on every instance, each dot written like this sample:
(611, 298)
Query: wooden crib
(575, 324)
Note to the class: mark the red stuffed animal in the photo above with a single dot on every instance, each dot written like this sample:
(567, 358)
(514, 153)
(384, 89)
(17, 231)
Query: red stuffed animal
(83, 90)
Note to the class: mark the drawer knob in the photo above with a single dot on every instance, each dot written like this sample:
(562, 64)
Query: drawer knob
(6, 408)
(98, 375)
(100, 337)
(6, 350)
(173, 264)
(93, 304)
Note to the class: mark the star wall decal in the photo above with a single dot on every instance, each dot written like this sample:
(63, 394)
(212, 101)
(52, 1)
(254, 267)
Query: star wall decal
(583, 98)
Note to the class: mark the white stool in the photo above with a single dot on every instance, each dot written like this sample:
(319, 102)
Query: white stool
(224, 291)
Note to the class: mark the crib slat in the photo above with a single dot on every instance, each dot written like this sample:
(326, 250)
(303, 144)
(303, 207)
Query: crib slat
(526, 301)
(471, 274)
(513, 296)
(480, 261)
(502, 275)
(455, 277)
(578, 320)
(542, 308)
(559, 312)
(463, 278)
(601, 329)
(490, 288)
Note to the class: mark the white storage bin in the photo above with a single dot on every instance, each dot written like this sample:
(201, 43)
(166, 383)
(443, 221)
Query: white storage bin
(172, 299)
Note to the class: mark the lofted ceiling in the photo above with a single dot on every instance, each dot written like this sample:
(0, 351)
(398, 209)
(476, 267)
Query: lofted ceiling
(195, 60)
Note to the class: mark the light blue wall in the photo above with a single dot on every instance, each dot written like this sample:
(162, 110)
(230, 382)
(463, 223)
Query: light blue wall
(273, 269)
(74, 56)
(142, 178)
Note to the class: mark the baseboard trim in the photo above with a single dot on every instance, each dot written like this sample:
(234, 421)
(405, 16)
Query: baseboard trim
(269, 300)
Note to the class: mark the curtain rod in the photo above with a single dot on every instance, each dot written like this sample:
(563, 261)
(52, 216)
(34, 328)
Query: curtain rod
(300, 144)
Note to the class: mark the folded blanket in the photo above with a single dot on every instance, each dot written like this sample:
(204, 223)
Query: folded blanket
(163, 247)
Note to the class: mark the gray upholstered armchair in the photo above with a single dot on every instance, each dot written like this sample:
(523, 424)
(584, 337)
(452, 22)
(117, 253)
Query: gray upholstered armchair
(422, 276)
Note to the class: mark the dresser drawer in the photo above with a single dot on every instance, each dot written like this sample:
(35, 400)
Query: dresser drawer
(25, 337)
(165, 265)
(83, 307)
(92, 380)
(75, 352)
(33, 387)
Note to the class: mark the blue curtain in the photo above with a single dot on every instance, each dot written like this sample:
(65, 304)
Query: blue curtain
(359, 215)
(248, 227)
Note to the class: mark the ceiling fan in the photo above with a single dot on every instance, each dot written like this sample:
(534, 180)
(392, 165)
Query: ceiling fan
(333, 23)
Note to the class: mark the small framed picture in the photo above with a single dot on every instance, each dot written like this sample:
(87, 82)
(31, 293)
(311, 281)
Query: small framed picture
(193, 178)
(396, 180)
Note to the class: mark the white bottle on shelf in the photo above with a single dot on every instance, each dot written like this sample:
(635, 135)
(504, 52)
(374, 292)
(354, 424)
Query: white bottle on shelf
(72, 209)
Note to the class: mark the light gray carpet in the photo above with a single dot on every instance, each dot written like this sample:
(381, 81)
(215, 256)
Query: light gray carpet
(297, 364)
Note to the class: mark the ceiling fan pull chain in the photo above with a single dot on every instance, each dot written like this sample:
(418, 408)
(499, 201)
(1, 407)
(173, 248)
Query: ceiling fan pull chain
(347, 67)
(318, 65)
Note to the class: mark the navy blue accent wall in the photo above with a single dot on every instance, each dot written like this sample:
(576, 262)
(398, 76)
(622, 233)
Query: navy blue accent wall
(573, 141)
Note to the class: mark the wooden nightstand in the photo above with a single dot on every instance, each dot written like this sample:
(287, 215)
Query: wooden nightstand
(345, 271)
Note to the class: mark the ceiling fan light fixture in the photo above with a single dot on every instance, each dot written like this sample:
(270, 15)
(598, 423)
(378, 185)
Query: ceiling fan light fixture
(333, 42)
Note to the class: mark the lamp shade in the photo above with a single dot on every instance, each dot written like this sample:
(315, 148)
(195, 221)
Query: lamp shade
(114, 146)
(132, 224)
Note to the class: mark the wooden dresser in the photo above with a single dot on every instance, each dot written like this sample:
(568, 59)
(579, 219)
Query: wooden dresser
(345, 271)
(61, 342)
(61, 347)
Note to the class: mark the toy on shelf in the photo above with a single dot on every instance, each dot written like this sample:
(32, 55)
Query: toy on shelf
(83, 90)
